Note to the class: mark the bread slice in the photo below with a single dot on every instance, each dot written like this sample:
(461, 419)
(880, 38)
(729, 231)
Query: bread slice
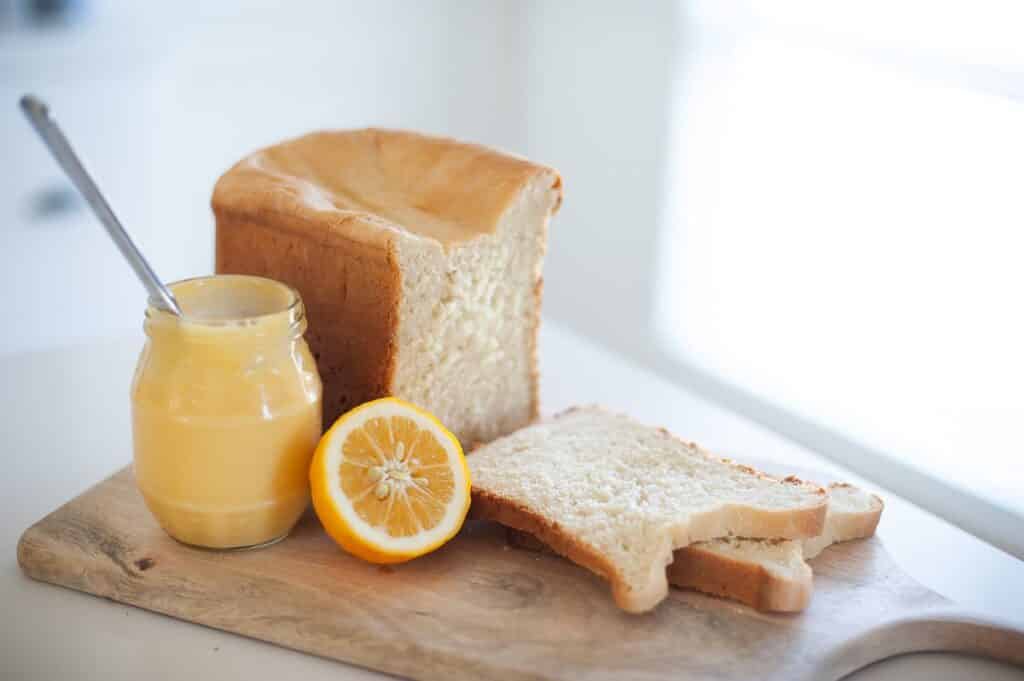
(767, 574)
(773, 574)
(852, 514)
(618, 497)
(419, 262)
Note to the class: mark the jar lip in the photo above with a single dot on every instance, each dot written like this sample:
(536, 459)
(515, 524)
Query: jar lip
(293, 308)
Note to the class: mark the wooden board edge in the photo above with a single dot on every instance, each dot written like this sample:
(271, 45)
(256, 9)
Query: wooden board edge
(944, 629)
(30, 548)
(44, 557)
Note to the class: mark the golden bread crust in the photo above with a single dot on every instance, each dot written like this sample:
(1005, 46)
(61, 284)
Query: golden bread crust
(548, 534)
(393, 180)
(713, 573)
(350, 292)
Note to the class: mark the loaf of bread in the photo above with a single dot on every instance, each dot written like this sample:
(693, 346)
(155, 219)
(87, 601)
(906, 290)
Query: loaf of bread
(618, 497)
(419, 262)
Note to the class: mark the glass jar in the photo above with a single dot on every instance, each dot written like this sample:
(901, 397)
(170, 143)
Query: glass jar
(226, 412)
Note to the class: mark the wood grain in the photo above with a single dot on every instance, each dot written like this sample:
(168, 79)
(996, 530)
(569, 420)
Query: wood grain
(478, 609)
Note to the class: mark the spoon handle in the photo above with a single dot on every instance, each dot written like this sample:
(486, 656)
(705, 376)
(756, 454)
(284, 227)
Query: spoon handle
(38, 115)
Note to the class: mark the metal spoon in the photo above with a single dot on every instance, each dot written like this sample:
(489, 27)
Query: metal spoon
(38, 115)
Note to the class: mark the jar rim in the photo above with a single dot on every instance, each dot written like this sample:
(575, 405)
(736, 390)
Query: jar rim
(293, 306)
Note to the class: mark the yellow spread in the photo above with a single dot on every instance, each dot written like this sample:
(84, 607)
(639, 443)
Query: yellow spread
(226, 412)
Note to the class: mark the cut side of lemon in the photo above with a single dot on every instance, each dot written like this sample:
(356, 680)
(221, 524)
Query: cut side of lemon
(389, 482)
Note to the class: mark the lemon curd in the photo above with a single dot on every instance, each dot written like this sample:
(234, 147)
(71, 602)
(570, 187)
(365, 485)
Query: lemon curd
(226, 412)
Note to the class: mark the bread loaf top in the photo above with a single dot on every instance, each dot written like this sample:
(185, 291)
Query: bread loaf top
(370, 185)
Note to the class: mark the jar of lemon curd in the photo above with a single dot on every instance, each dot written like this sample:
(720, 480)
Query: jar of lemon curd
(226, 412)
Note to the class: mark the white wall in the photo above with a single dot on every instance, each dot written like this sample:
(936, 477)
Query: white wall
(598, 109)
(60, 281)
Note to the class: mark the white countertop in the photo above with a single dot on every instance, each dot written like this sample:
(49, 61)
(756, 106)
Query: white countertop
(65, 426)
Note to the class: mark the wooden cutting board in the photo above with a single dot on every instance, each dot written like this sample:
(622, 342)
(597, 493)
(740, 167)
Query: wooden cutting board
(478, 609)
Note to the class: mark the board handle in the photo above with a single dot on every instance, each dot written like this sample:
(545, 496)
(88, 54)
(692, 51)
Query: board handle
(947, 630)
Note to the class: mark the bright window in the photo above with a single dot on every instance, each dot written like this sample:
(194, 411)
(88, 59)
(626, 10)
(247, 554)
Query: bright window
(845, 226)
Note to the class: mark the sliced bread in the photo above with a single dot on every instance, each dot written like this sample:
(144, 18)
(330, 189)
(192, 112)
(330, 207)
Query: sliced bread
(773, 574)
(618, 497)
(852, 514)
(767, 574)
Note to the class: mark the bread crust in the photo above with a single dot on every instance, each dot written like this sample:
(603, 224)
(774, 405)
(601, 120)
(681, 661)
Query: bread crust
(454, 190)
(350, 291)
(860, 528)
(860, 525)
(712, 573)
(749, 583)
(844, 525)
(548, 534)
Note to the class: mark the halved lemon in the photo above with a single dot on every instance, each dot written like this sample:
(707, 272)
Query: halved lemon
(389, 482)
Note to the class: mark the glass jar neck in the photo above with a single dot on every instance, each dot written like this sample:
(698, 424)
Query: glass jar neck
(229, 311)
(275, 330)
